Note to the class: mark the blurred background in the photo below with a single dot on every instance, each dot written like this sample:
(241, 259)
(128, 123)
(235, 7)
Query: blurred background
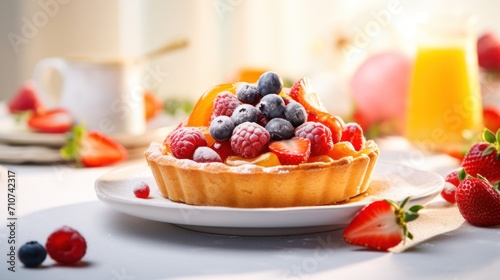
(325, 40)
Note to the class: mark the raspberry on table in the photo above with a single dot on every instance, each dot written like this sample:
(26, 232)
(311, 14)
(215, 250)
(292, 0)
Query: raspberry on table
(280, 129)
(224, 104)
(268, 83)
(32, 254)
(184, 140)
(66, 245)
(245, 113)
(249, 140)
(319, 135)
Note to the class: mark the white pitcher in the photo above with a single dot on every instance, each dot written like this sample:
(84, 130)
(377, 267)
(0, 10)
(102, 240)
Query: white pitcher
(106, 95)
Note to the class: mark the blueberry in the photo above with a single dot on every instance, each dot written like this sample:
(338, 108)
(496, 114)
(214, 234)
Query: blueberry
(271, 106)
(221, 128)
(32, 254)
(280, 129)
(295, 113)
(269, 82)
(245, 113)
(247, 93)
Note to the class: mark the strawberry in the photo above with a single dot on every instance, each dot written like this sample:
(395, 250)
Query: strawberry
(478, 201)
(51, 121)
(484, 157)
(381, 225)
(488, 51)
(352, 132)
(491, 116)
(450, 187)
(292, 151)
(92, 148)
(25, 99)
(303, 92)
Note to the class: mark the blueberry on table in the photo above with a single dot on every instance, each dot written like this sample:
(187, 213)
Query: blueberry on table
(268, 83)
(32, 254)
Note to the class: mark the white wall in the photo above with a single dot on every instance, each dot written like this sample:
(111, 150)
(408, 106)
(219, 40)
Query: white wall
(293, 37)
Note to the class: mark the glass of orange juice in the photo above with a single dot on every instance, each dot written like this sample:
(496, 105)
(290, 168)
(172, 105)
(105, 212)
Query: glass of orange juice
(444, 109)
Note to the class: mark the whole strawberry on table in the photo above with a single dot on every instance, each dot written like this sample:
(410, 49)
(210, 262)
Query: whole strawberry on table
(475, 187)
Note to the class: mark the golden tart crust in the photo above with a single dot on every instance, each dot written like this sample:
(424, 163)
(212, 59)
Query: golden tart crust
(252, 186)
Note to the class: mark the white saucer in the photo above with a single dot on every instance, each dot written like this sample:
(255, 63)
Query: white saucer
(390, 180)
(14, 133)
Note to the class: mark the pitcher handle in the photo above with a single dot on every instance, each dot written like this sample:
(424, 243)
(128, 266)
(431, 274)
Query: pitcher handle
(41, 67)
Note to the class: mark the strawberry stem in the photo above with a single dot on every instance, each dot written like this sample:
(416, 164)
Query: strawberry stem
(71, 150)
(403, 217)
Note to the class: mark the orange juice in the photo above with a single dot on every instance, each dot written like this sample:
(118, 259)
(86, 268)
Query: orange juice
(445, 101)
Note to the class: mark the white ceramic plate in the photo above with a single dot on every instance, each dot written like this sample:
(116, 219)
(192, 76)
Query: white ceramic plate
(390, 180)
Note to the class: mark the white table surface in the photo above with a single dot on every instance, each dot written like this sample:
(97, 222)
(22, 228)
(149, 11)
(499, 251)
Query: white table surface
(124, 247)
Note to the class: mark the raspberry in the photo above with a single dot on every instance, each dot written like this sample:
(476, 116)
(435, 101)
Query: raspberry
(142, 190)
(352, 132)
(319, 135)
(66, 245)
(206, 154)
(184, 140)
(32, 254)
(224, 104)
(249, 140)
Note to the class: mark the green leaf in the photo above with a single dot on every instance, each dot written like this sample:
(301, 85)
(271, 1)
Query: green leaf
(488, 151)
(409, 235)
(461, 175)
(71, 150)
(488, 136)
(498, 135)
(410, 217)
(415, 208)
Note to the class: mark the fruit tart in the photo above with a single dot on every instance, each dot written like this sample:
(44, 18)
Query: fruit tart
(260, 145)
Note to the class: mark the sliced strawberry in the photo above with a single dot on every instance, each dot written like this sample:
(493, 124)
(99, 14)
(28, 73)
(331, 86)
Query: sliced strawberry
(26, 99)
(484, 157)
(478, 201)
(51, 121)
(381, 225)
(292, 151)
(303, 92)
(491, 117)
(93, 149)
(352, 132)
